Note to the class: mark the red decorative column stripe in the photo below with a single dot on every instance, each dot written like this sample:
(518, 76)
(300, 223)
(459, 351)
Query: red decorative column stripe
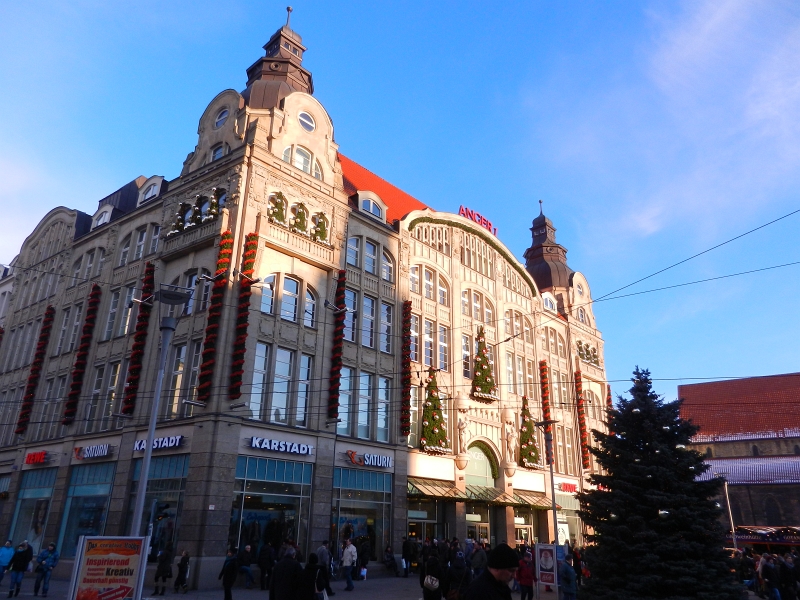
(36, 370)
(544, 384)
(139, 340)
(585, 458)
(405, 382)
(609, 403)
(79, 368)
(338, 344)
(243, 314)
(206, 376)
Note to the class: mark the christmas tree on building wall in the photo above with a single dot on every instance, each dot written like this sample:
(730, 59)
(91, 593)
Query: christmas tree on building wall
(528, 452)
(484, 388)
(433, 438)
(656, 532)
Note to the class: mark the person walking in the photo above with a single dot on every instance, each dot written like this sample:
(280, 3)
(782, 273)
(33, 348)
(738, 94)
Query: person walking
(18, 565)
(363, 559)
(349, 562)
(286, 580)
(45, 563)
(457, 578)
(431, 578)
(245, 560)
(312, 581)
(568, 583)
(6, 552)
(501, 565)
(526, 576)
(229, 573)
(163, 571)
(478, 560)
(266, 562)
(181, 581)
(406, 554)
(324, 558)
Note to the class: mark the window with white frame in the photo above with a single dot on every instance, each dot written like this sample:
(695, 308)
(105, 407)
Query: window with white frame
(353, 250)
(76, 272)
(465, 304)
(368, 322)
(310, 309)
(531, 379)
(138, 250)
(387, 267)
(345, 400)
(363, 411)
(466, 356)
(368, 205)
(279, 402)
(154, 237)
(101, 260)
(89, 263)
(384, 395)
(303, 391)
(191, 285)
(350, 301)
(127, 311)
(112, 315)
(414, 338)
(222, 116)
(109, 398)
(570, 455)
(371, 257)
(428, 343)
(413, 276)
(386, 327)
(582, 316)
(62, 336)
(549, 303)
(124, 250)
(76, 323)
(174, 393)
(444, 292)
(302, 159)
(444, 348)
(204, 291)
(306, 121)
(94, 400)
(429, 283)
(268, 294)
(258, 390)
(290, 299)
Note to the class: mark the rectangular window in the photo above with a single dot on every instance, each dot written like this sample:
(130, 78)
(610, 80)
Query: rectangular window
(87, 271)
(531, 379)
(413, 438)
(76, 271)
(555, 377)
(414, 338)
(123, 254)
(350, 299)
(194, 376)
(466, 356)
(386, 327)
(444, 293)
(154, 238)
(127, 309)
(268, 294)
(560, 446)
(101, 260)
(22, 351)
(428, 342)
(345, 400)
(384, 393)
(94, 400)
(109, 397)
(465, 303)
(444, 348)
(62, 336)
(41, 430)
(353, 249)
(568, 450)
(476, 306)
(364, 401)
(414, 279)
(284, 363)
(139, 250)
(76, 323)
(112, 315)
(509, 373)
(174, 394)
(520, 377)
(191, 283)
(490, 358)
(507, 322)
(564, 390)
(371, 258)
(303, 390)
(429, 277)
(259, 387)
(368, 322)
(54, 414)
(290, 300)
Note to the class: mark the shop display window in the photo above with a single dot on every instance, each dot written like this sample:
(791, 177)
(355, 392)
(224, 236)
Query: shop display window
(33, 507)
(87, 504)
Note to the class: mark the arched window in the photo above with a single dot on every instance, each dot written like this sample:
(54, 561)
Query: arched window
(287, 154)
(562, 347)
(151, 191)
(755, 450)
(299, 221)
(319, 229)
(353, 251)
(372, 207)
(528, 331)
(387, 267)
(268, 294)
(222, 197)
(123, 253)
(302, 159)
(317, 170)
(444, 292)
(310, 311)
(479, 470)
(222, 116)
(76, 270)
(549, 304)
(582, 316)
(290, 300)
(102, 218)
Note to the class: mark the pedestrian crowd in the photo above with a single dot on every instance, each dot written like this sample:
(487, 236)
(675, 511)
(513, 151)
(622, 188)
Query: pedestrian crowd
(20, 560)
(772, 576)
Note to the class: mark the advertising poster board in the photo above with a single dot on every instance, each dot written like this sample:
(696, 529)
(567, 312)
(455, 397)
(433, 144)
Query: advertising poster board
(546, 563)
(109, 568)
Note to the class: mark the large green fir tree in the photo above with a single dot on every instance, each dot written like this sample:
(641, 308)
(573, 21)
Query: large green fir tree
(433, 438)
(656, 528)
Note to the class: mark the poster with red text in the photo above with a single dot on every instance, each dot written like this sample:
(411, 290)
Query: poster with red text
(546, 563)
(109, 568)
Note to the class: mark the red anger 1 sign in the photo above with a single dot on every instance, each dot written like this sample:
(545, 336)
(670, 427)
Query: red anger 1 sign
(478, 218)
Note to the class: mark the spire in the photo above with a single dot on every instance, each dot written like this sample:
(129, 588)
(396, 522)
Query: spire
(546, 260)
(288, 16)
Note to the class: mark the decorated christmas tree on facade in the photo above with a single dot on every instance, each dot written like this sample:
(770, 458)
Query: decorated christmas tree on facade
(656, 530)
(528, 452)
(433, 438)
(484, 388)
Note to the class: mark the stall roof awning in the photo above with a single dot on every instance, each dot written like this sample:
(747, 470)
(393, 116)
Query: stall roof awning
(535, 499)
(489, 495)
(433, 488)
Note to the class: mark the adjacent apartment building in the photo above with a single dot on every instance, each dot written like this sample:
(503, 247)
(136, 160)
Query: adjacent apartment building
(322, 300)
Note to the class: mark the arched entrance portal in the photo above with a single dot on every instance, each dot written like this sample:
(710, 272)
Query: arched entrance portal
(482, 472)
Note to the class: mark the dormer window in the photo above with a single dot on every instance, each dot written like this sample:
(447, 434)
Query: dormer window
(218, 152)
(222, 116)
(372, 207)
(102, 218)
(151, 191)
(307, 121)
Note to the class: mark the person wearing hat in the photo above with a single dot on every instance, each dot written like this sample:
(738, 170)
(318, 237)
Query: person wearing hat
(526, 576)
(45, 563)
(18, 565)
(567, 579)
(501, 567)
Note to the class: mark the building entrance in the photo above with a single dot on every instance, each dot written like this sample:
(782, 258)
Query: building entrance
(523, 535)
(478, 532)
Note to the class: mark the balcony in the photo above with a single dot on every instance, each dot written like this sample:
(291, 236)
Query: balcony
(299, 245)
(191, 239)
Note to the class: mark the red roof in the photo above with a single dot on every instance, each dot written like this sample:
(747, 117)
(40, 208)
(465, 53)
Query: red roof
(356, 178)
(744, 408)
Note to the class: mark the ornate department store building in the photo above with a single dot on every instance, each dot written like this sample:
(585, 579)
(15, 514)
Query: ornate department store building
(300, 391)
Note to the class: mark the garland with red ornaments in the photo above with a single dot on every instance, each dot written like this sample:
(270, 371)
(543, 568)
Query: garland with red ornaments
(338, 344)
(79, 368)
(243, 314)
(544, 384)
(36, 370)
(405, 379)
(206, 376)
(609, 403)
(581, 403)
(139, 340)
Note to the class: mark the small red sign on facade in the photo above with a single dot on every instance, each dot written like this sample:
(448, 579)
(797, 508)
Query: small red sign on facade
(570, 488)
(478, 218)
(36, 458)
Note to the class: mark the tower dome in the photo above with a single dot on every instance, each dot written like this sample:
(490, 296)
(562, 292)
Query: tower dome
(546, 260)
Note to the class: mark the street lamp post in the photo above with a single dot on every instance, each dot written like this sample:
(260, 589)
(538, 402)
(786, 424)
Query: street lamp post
(171, 296)
(548, 441)
(728, 501)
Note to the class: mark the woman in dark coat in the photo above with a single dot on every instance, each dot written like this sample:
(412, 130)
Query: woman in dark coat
(163, 571)
(183, 573)
(433, 568)
(311, 580)
(458, 576)
(229, 572)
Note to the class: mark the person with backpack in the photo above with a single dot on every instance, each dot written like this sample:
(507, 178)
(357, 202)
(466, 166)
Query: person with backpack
(431, 577)
(45, 563)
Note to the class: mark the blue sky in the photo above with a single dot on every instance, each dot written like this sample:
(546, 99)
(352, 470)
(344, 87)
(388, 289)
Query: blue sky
(651, 130)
